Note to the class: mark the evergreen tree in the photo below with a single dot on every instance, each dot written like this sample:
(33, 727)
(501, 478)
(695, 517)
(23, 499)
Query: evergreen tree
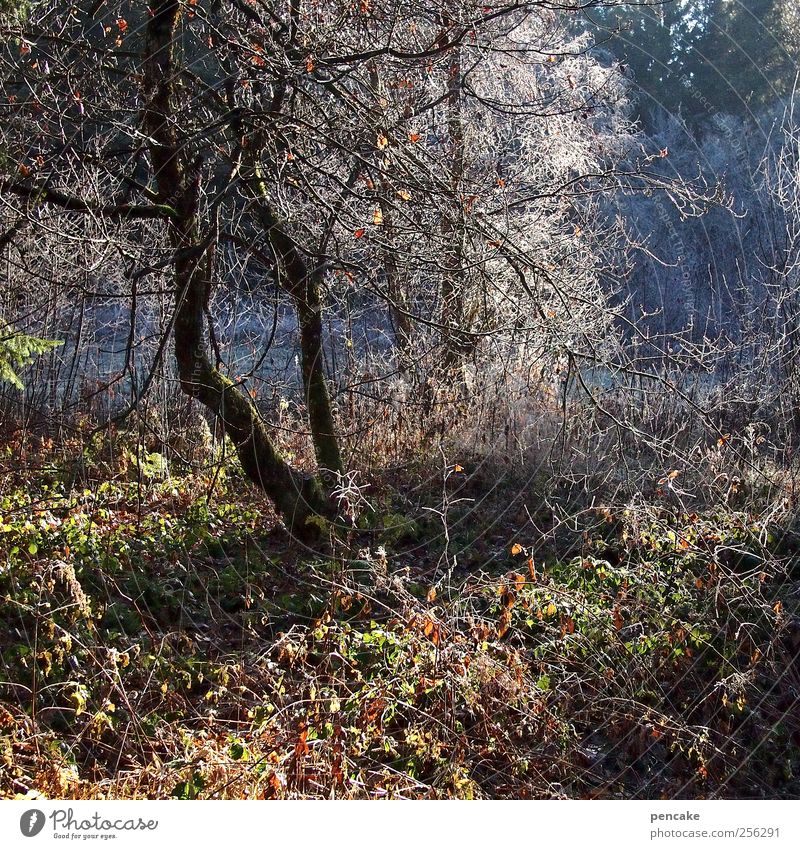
(704, 57)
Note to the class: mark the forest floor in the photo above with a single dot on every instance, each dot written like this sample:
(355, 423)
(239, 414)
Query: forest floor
(162, 637)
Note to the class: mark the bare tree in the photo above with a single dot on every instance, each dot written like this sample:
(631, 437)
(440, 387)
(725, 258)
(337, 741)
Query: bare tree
(442, 159)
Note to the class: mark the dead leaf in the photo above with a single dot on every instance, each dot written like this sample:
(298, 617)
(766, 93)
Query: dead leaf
(301, 747)
(504, 625)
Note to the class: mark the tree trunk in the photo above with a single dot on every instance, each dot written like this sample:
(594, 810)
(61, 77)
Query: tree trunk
(296, 496)
(398, 297)
(457, 341)
(303, 285)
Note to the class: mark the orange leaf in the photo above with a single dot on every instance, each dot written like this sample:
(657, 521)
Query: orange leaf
(301, 747)
(507, 599)
(616, 616)
(505, 624)
(516, 549)
(413, 137)
(531, 569)
(382, 142)
(377, 216)
(404, 195)
(359, 233)
(432, 594)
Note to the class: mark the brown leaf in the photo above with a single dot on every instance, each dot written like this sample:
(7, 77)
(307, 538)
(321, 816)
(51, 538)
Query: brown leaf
(505, 624)
(508, 598)
(301, 746)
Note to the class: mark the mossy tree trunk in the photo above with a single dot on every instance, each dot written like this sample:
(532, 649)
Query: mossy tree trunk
(303, 284)
(296, 496)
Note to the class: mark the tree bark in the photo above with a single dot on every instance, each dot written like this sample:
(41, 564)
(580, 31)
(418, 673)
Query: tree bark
(303, 285)
(458, 343)
(296, 496)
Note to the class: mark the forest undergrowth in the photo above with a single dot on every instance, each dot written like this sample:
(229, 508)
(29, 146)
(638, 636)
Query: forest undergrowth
(483, 630)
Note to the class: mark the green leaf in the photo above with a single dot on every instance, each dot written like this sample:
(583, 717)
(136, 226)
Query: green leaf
(189, 789)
